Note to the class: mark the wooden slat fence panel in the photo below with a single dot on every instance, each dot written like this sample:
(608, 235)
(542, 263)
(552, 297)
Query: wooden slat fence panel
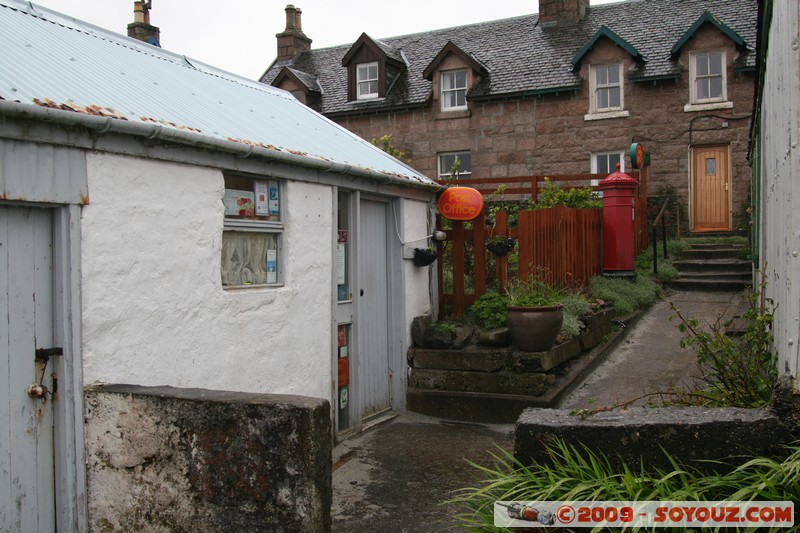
(568, 243)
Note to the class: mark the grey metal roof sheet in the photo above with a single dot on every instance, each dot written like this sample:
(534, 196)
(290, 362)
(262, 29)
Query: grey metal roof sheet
(54, 60)
(522, 56)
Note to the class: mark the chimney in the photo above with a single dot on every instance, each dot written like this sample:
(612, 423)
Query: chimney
(141, 28)
(553, 12)
(292, 40)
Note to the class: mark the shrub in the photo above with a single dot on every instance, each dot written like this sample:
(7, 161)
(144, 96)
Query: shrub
(627, 296)
(490, 310)
(576, 306)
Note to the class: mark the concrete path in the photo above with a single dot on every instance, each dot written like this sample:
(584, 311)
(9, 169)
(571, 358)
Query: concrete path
(650, 359)
(395, 477)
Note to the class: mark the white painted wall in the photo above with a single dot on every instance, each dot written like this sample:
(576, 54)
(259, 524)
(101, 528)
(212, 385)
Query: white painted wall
(417, 285)
(154, 311)
(780, 177)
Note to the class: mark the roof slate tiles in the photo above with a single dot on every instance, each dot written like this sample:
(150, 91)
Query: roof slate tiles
(523, 56)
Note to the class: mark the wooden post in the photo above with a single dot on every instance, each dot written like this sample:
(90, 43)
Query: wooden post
(479, 255)
(501, 228)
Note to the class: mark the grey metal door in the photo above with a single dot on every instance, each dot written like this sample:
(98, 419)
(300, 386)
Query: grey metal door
(373, 385)
(27, 500)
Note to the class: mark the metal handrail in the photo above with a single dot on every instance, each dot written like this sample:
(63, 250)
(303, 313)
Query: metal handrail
(659, 219)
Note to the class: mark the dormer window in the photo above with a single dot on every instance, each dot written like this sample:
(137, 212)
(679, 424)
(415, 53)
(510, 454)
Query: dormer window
(454, 90)
(606, 88)
(707, 70)
(367, 81)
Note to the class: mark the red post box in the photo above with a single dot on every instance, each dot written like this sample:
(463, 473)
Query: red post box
(618, 224)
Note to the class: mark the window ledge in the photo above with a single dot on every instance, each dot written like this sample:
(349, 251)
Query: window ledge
(688, 108)
(607, 114)
(459, 113)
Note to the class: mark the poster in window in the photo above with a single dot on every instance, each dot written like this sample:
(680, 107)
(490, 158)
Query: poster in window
(238, 203)
(341, 254)
(274, 203)
(272, 266)
(262, 195)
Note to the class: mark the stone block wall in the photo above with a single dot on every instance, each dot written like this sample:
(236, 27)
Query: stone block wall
(640, 435)
(168, 459)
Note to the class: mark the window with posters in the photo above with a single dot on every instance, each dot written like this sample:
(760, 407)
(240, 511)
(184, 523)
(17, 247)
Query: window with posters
(252, 233)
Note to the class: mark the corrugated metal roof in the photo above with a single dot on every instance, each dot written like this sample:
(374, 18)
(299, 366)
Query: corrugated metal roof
(53, 60)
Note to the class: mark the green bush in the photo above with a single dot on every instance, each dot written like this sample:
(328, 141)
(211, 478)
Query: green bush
(552, 195)
(576, 306)
(490, 310)
(627, 296)
(580, 474)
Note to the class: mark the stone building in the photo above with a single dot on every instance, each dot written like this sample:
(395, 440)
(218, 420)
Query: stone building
(566, 90)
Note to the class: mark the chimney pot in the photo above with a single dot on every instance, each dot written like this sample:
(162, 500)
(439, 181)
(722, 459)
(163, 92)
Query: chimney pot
(290, 17)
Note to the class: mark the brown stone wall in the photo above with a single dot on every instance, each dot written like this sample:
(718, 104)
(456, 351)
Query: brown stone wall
(548, 134)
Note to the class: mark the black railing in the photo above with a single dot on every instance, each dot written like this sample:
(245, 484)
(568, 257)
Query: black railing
(660, 220)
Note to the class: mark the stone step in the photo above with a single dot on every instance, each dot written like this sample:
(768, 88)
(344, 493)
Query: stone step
(712, 265)
(710, 285)
(472, 406)
(527, 384)
(742, 275)
(710, 252)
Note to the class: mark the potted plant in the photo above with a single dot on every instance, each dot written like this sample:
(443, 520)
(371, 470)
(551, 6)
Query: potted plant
(535, 314)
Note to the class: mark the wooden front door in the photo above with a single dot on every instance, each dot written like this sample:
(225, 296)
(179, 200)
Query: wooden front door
(711, 180)
(27, 496)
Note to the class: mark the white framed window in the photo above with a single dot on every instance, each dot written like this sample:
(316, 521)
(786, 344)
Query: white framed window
(707, 71)
(252, 234)
(606, 162)
(367, 81)
(460, 163)
(454, 90)
(606, 88)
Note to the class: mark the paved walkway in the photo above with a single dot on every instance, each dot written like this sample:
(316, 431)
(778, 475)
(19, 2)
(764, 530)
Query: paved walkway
(650, 358)
(395, 477)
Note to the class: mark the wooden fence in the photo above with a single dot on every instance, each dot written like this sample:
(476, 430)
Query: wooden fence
(566, 243)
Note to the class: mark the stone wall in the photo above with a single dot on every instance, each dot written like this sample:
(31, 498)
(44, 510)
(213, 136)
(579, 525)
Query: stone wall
(640, 435)
(550, 134)
(167, 459)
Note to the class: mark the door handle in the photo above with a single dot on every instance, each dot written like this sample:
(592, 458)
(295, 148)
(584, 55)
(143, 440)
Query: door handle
(362, 292)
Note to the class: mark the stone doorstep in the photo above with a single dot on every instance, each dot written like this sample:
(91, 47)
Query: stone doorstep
(637, 435)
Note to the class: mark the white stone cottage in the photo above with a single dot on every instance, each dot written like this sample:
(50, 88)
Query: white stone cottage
(163, 222)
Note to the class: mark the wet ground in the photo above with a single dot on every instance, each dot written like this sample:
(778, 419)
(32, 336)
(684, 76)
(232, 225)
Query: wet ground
(397, 476)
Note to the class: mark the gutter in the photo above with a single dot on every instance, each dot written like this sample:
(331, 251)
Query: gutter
(242, 150)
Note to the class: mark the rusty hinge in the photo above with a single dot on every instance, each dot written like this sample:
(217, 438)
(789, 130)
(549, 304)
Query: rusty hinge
(44, 354)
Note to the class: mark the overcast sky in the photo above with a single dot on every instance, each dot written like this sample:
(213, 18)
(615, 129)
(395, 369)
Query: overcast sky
(239, 35)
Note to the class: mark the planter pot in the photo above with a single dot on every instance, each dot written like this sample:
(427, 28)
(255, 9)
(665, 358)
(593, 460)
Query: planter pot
(423, 257)
(534, 329)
